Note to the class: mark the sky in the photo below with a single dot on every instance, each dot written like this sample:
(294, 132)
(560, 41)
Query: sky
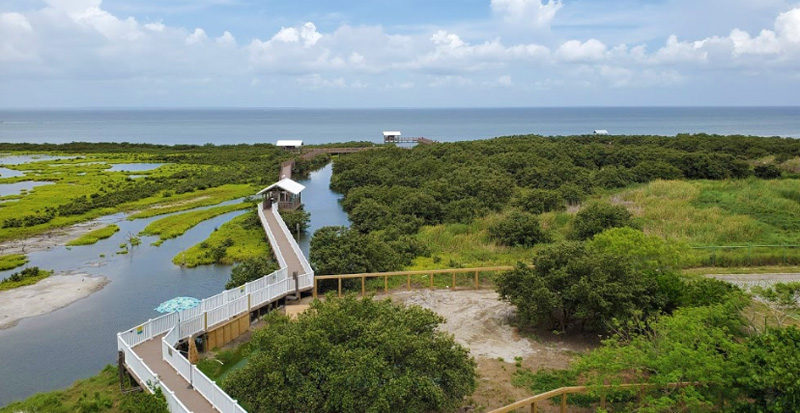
(387, 53)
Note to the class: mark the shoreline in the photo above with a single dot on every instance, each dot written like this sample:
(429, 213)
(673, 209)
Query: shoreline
(50, 239)
(54, 292)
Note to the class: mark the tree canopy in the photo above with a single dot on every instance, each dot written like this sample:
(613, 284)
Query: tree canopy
(354, 355)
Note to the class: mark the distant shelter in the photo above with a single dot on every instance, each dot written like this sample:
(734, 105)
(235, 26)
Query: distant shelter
(391, 136)
(290, 145)
(286, 192)
(600, 132)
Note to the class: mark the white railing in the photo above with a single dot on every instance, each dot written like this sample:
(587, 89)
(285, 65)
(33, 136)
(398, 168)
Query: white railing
(211, 311)
(292, 242)
(218, 398)
(272, 241)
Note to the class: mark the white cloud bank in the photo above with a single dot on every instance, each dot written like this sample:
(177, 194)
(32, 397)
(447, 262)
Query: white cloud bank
(78, 39)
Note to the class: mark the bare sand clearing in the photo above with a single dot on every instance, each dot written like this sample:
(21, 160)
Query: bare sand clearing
(49, 239)
(48, 295)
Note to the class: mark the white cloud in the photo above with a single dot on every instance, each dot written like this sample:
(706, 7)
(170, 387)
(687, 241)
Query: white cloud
(788, 25)
(577, 51)
(529, 13)
(765, 43)
(226, 39)
(197, 37)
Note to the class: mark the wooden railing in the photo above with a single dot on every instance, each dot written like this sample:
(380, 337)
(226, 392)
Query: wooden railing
(407, 274)
(532, 402)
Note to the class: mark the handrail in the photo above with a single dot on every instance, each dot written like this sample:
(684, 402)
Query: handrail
(295, 247)
(408, 274)
(564, 391)
(273, 242)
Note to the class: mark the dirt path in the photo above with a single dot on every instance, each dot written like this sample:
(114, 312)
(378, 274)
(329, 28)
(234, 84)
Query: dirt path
(481, 322)
(750, 280)
(48, 295)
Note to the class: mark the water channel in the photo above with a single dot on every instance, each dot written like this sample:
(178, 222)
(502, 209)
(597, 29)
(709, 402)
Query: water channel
(53, 350)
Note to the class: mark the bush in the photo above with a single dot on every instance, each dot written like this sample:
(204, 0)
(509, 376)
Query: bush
(598, 217)
(351, 355)
(144, 402)
(767, 172)
(250, 270)
(518, 229)
(537, 201)
(296, 218)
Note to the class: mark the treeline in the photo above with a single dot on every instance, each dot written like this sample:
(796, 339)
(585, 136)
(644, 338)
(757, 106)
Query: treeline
(456, 182)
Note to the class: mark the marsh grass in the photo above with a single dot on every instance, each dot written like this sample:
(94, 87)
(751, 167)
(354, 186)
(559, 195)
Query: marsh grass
(11, 261)
(28, 279)
(248, 241)
(94, 236)
(163, 204)
(99, 393)
(174, 226)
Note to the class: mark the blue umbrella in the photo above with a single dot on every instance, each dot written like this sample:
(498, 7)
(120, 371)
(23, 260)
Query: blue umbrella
(178, 304)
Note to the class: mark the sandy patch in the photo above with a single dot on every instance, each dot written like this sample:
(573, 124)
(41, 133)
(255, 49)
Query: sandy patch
(49, 239)
(48, 295)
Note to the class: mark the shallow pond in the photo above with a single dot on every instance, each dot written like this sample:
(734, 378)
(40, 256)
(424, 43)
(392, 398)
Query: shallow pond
(10, 173)
(133, 167)
(17, 187)
(6, 159)
(53, 350)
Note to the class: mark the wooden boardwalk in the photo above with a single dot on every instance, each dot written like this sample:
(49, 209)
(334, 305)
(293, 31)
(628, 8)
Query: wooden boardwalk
(150, 352)
(283, 245)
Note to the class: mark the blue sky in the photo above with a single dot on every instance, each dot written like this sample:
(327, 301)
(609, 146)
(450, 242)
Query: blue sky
(385, 53)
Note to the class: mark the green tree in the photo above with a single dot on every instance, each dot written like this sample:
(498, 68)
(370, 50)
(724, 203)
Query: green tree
(250, 270)
(646, 252)
(537, 201)
(598, 217)
(354, 355)
(297, 218)
(144, 402)
(771, 371)
(767, 171)
(570, 284)
(339, 250)
(518, 229)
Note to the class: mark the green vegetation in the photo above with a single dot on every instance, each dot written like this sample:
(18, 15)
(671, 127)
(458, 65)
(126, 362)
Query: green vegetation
(518, 229)
(28, 276)
(11, 261)
(83, 188)
(296, 219)
(174, 226)
(92, 237)
(356, 355)
(239, 239)
(251, 269)
(99, 393)
(695, 189)
(339, 250)
(224, 362)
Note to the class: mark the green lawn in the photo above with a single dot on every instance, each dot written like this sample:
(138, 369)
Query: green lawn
(244, 236)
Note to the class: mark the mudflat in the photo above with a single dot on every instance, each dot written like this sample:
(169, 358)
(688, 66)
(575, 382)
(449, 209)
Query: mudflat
(48, 295)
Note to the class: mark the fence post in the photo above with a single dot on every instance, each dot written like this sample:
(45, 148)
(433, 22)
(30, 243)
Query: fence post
(363, 287)
(454, 281)
(340, 287)
(408, 281)
(477, 281)
(564, 402)
(533, 407)
(431, 279)
(315, 287)
(386, 284)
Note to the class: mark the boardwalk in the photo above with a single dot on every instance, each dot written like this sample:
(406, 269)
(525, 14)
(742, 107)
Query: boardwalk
(150, 352)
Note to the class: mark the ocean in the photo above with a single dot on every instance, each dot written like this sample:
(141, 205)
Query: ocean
(315, 126)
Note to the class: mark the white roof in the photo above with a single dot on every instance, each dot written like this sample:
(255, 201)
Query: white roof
(601, 132)
(289, 143)
(286, 184)
(391, 133)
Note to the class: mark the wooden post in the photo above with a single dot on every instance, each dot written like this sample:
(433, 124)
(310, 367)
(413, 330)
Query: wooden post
(340, 288)
(477, 280)
(363, 288)
(315, 287)
(386, 284)
(248, 303)
(564, 402)
(454, 281)
(431, 278)
(408, 281)
(205, 321)
(533, 407)
(121, 369)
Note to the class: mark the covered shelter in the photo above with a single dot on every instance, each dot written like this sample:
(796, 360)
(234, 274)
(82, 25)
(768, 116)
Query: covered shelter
(290, 145)
(391, 136)
(285, 192)
(600, 132)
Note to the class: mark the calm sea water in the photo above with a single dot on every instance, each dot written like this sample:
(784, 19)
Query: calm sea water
(185, 126)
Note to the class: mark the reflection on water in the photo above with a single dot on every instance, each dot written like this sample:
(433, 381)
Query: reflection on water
(17, 187)
(10, 173)
(18, 159)
(322, 204)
